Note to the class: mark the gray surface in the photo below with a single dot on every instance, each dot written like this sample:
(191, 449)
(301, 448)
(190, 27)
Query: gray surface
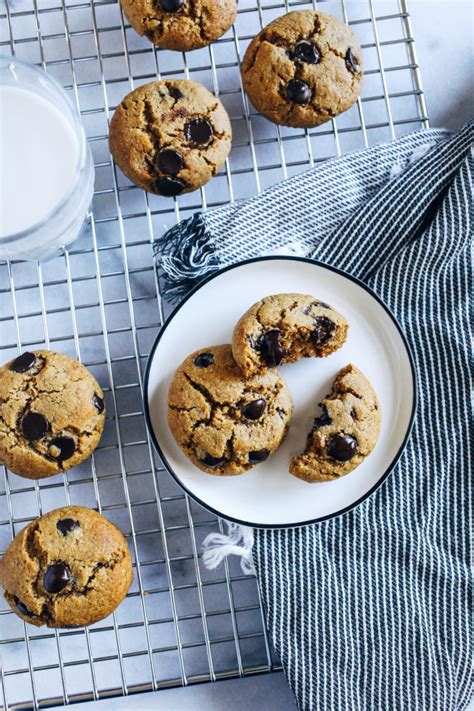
(264, 692)
(444, 47)
(444, 33)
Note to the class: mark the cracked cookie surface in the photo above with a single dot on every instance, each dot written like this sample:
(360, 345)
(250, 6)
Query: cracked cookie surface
(282, 328)
(181, 25)
(52, 413)
(68, 568)
(170, 137)
(223, 423)
(345, 433)
(302, 69)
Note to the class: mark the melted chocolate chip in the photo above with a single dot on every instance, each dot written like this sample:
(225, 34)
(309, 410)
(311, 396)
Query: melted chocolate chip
(323, 330)
(169, 187)
(62, 447)
(342, 447)
(56, 578)
(270, 347)
(23, 363)
(323, 419)
(353, 414)
(199, 132)
(204, 360)
(169, 162)
(297, 91)
(210, 461)
(22, 608)
(306, 52)
(34, 425)
(254, 410)
(315, 305)
(259, 455)
(98, 403)
(351, 62)
(175, 93)
(66, 525)
(170, 5)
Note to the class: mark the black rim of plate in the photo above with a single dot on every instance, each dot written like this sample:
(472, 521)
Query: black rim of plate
(171, 317)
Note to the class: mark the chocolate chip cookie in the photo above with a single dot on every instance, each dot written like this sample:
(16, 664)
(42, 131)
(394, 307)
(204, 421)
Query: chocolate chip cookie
(52, 413)
(170, 137)
(182, 25)
(303, 69)
(69, 568)
(283, 328)
(345, 432)
(223, 423)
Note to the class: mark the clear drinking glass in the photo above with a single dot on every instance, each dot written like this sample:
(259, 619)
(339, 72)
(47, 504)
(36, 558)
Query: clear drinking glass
(67, 216)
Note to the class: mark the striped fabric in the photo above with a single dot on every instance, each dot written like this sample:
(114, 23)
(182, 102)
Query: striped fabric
(370, 611)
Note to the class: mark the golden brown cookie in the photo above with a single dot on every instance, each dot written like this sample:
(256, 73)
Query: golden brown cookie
(52, 414)
(345, 433)
(283, 328)
(223, 423)
(182, 25)
(170, 137)
(69, 568)
(303, 69)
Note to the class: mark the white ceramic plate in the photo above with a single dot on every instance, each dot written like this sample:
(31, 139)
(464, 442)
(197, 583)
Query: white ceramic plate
(267, 495)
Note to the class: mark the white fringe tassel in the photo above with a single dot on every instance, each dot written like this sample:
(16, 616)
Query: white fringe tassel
(238, 541)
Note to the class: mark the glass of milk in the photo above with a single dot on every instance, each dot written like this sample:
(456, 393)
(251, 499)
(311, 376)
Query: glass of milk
(46, 168)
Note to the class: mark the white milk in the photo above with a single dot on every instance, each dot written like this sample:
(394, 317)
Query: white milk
(39, 155)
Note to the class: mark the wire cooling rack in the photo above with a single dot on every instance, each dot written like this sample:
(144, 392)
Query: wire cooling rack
(100, 302)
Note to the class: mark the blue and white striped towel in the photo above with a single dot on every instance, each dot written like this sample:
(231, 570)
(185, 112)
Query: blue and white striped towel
(370, 611)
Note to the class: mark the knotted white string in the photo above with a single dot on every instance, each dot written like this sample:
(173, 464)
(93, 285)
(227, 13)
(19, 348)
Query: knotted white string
(238, 541)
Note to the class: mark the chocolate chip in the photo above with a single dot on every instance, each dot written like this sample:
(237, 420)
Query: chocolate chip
(66, 525)
(353, 414)
(341, 447)
(169, 187)
(323, 330)
(297, 91)
(323, 419)
(175, 93)
(98, 403)
(204, 360)
(56, 578)
(259, 455)
(270, 347)
(210, 461)
(34, 425)
(23, 363)
(62, 447)
(351, 62)
(169, 161)
(22, 608)
(198, 131)
(170, 5)
(321, 305)
(306, 52)
(254, 410)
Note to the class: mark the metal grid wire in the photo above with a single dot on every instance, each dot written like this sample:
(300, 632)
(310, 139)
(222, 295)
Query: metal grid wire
(101, 303)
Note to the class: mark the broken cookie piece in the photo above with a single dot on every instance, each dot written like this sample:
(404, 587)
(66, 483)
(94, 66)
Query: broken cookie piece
(222, 422)
(283, 328)
(345, 433)
(69, 568)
